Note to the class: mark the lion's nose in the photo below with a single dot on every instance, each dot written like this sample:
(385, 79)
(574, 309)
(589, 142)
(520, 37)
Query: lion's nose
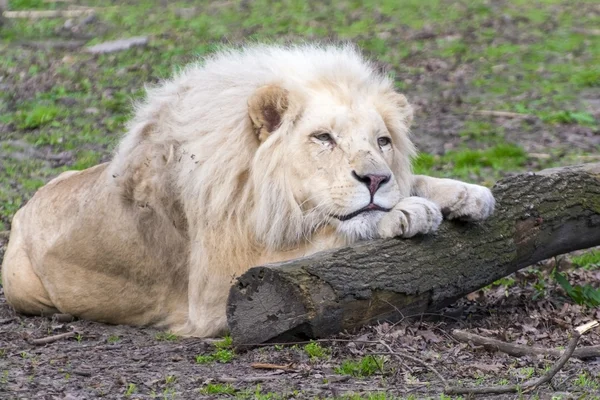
(373, 182)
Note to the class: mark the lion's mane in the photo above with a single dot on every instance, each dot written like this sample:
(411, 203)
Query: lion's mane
(192, 152)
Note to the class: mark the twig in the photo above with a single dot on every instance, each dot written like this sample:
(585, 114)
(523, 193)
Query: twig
(288, 367)
(401, 354)
(52, 339)
(502, 114)
(247, 379)
(533, 383)
(308, 342)
(590, 32)
(35, 14)
(82, 372)
(521, 350)
(55, 44)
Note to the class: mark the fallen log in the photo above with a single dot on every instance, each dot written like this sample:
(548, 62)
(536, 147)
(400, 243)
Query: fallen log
(537, 216)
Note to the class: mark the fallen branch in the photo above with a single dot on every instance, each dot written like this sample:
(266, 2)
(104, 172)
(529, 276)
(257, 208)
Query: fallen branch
(248, 379)
(54, 44)
(287, 367)
(52, 339)
(36, 14)
(522, 350)
(82, 372)
(502, 114)
(589, 32)
(538, 216)
(533, 383)
(117, 45)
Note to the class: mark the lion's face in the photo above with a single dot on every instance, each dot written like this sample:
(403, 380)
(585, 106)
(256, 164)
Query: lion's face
(341, 162)
(342, 156)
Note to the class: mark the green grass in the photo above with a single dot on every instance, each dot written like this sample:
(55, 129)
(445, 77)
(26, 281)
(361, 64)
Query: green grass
(315, 351)
(130, 390)
(586, 294)
(37, 116)
(472, 163)
(588, 260)
(217, 388)
(364, 367)
(70, 101)
(112, 339)
(587, 382)
(166, 336)
(223, 353)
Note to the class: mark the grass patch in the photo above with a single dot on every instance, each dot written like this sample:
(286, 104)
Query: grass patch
(587, 382)
(166, 337)
(469, 163)
(569, 117)
(315, 351)
(366, 366)
(112, 339)
(581, 294)
(218, 388)
(37, 116)
(131, 389)
(86, 159)
(223, 353)
(588, 260)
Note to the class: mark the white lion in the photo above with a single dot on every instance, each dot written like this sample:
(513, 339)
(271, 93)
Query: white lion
(253, 156)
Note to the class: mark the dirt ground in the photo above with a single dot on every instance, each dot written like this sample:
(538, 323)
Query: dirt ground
(450, 67)
(125, 362)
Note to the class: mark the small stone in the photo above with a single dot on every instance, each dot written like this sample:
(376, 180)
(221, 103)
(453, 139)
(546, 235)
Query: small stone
(186, 12)
(69, 23)
(118, 45)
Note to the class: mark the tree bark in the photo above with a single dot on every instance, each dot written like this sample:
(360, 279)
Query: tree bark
(537, 216)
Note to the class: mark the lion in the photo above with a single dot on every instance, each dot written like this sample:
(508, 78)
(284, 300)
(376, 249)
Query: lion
(254, 155)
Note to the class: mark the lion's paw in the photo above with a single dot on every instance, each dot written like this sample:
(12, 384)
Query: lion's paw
(410, 217)
(471, 203)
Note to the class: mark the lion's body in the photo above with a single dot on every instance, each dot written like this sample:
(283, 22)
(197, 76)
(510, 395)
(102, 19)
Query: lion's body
(86, 264)
(223, 168)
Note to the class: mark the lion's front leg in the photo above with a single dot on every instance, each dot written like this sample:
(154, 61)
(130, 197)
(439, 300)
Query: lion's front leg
(456, 199)
(411, 216)
(208, 289)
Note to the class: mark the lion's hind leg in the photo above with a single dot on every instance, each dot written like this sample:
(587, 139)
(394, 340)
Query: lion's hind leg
(22, 287)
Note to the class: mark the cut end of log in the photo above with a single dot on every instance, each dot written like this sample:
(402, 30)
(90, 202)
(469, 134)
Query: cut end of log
(272, 304)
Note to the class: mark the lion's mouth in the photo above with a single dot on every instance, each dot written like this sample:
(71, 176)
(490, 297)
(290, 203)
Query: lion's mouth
(367, 208)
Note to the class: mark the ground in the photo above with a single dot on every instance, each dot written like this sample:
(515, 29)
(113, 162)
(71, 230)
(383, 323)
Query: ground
(459, 62)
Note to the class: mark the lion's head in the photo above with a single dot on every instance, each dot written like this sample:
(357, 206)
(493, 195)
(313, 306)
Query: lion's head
(282, 142)
(342, 149)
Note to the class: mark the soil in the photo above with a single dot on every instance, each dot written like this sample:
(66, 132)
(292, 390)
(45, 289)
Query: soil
(127, 362)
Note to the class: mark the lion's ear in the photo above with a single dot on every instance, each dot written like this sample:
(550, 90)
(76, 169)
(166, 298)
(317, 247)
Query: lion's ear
(266, 108)
(404, 107)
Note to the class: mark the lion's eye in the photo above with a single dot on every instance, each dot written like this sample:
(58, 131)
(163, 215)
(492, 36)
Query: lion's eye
(384, 141)
(323, 137)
